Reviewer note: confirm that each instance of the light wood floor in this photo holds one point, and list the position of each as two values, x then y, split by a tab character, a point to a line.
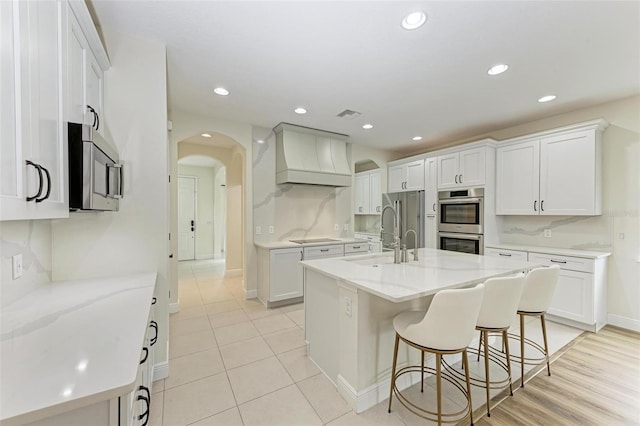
594	381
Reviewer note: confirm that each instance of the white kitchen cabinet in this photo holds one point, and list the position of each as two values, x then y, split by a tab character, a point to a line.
580	294
466	168
85	84
368	195
280	275
431	232
406	176
431	186
506	254
554	173
352	249
33	148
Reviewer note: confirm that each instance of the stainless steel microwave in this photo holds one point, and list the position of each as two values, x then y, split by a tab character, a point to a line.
95	173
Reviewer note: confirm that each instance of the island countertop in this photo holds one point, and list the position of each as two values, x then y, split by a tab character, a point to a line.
434	271
72	343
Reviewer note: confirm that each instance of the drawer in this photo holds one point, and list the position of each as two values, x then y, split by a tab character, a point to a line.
506	254
314	252
362	247
565	262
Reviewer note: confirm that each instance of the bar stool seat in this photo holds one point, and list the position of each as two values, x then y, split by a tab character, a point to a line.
446	328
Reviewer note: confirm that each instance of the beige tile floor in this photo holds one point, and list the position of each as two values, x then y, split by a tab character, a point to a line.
234	362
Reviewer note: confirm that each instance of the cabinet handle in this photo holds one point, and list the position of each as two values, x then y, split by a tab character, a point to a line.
39	169
154	339
535	203
434	207
504	254
146	355
301	255
45	196
323	250
153	301
456	178
460	179
147	400
558	261
96	118
542	205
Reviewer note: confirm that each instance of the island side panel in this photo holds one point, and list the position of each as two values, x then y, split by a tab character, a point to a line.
321	305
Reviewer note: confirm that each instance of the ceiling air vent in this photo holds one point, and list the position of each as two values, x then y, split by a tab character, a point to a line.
349	114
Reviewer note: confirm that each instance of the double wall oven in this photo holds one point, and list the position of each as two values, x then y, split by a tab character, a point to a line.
461	220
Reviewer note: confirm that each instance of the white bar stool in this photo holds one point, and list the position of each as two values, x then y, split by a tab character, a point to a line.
499	305
446	328
535	300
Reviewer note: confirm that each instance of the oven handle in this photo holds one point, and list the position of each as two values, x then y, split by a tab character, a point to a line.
460	236
461	201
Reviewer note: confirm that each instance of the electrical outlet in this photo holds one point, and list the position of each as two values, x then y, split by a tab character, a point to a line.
258	230
347	306
547	233
17	266
271	229
336	227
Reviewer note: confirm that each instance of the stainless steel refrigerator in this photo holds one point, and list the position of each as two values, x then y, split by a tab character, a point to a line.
411	216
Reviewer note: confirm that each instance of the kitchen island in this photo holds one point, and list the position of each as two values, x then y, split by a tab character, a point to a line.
350	304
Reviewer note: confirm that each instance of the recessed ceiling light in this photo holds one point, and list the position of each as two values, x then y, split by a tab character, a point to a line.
260	141
414	20
221	91
300	110
498	69
417	138
205	135
547	98
367	126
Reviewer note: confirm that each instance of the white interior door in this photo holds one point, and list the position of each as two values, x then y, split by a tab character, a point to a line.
186	218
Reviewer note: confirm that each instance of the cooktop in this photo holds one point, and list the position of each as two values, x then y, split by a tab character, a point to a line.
314	240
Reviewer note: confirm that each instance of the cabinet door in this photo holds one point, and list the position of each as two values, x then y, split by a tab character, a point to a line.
472	167
75	107
517	179
573	297
375	193
11	189
431	232
94	88
362	194
415	176
395	178
568	175
286	277
448	171
431	186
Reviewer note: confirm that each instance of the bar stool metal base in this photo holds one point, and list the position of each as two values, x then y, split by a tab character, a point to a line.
544	350
438	415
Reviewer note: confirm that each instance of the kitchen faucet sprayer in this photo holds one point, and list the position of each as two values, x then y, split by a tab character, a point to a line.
396	231
415	243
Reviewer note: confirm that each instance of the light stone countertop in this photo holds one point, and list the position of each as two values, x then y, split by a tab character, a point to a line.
435	270
287	244
70	344
551	250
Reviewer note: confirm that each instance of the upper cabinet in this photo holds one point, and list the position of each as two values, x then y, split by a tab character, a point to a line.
464	168
368	192
406	176
33	148
431	186
36	91
551	173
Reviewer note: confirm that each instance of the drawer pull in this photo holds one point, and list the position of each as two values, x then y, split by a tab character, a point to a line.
324	249
558	261
505	254
356	247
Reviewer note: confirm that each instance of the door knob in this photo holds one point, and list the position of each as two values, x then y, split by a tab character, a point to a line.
193	229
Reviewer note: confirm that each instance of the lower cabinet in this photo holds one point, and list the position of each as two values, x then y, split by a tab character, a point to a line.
506	254
280	276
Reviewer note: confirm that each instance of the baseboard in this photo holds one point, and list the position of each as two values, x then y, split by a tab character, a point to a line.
205	256
624	322
233	272
160	370
174	307
374	394
250	294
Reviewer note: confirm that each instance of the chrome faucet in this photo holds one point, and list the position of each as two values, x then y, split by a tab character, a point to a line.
396	232
415	243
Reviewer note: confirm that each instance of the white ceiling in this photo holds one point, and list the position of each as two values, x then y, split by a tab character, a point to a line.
332	55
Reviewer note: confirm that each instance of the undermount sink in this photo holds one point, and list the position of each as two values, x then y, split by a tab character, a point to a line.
373	261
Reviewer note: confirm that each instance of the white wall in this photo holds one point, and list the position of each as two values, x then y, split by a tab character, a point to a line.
134	239
206	206
31	238
220	212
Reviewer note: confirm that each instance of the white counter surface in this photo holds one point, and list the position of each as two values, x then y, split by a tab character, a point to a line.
435	270
288	244
70	344
551	250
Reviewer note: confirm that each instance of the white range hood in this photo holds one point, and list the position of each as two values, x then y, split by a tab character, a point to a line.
311	156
